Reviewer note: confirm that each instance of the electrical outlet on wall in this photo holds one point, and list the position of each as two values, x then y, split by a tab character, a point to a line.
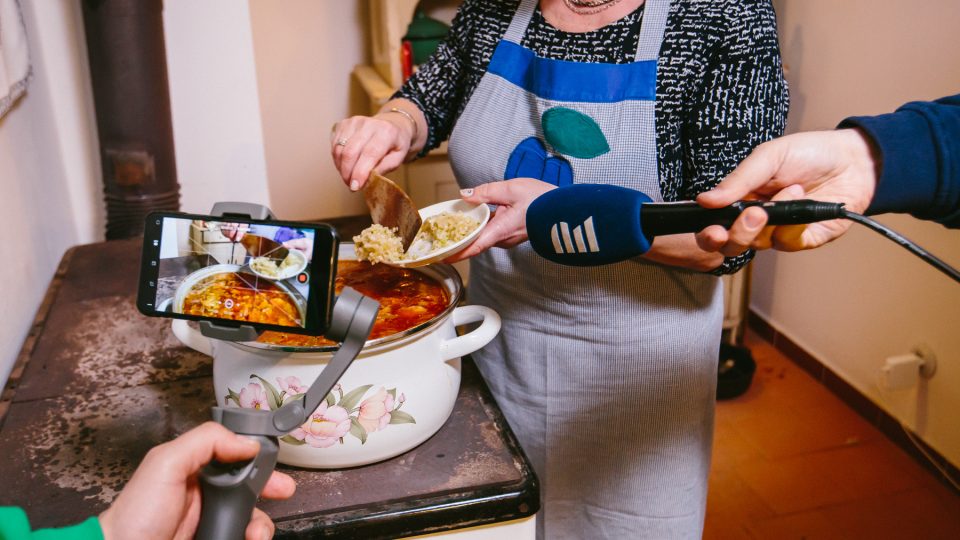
905	370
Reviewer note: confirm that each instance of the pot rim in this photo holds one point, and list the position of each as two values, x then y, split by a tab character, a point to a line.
439	271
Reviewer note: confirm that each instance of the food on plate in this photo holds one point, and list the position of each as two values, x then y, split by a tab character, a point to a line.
407	299
382	244
447	228
229	295
377	243
274	268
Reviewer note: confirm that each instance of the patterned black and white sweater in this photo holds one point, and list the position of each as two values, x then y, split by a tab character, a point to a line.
720	85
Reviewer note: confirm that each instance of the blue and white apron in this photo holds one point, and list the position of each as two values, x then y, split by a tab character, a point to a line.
606	374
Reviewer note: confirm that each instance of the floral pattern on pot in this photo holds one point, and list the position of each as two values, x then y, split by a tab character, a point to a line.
340	414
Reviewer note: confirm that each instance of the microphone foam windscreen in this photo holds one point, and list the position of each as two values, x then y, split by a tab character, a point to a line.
587	224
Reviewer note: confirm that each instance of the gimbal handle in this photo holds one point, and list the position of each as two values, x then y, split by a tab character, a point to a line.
230	490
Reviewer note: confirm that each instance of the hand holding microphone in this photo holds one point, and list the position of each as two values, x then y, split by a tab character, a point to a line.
594	224
838	166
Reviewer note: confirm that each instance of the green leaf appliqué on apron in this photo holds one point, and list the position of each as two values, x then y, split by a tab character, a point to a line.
573	133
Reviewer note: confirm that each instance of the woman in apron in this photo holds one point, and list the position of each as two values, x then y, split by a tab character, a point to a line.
606	374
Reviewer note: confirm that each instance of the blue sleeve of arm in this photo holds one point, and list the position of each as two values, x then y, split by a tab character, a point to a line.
920	149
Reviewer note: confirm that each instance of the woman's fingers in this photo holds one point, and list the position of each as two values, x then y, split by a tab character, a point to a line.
379	138
508	226
361	144
340	139
350	155
490	193
485	240
505	229
712	238
391	161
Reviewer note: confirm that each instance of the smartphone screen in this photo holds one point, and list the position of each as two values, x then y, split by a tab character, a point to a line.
273	275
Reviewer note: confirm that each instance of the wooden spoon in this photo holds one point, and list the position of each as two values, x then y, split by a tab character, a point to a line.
391	207
259	246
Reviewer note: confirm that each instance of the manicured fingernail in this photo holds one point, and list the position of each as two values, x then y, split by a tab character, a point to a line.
466	192
354	185
752	220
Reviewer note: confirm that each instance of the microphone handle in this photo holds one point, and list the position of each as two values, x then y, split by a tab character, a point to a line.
688	217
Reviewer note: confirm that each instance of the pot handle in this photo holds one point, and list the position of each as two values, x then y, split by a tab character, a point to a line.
474	340
191	337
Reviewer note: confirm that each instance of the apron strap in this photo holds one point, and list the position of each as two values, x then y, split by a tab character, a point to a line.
651	30
521	20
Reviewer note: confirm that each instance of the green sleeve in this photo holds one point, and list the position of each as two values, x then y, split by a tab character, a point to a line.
15	526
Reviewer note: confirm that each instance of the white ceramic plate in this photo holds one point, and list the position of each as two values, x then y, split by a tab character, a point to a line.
479	212
290	271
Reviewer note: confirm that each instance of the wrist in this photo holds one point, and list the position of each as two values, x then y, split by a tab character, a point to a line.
403	120
867	160
106	527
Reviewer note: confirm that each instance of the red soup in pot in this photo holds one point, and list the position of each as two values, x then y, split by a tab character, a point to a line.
229	295
407	299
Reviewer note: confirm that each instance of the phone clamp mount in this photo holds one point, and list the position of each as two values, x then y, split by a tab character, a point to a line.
230	490
243	332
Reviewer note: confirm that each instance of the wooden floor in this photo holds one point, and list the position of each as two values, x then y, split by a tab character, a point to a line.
791	461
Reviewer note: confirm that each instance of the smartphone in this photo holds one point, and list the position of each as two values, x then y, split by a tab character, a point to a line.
272	275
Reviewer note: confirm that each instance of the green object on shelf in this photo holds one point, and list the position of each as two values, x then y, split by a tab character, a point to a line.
424	35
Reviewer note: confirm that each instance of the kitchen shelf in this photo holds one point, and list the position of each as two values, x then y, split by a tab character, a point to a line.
388	24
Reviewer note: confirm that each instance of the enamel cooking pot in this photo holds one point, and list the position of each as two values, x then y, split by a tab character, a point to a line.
396	394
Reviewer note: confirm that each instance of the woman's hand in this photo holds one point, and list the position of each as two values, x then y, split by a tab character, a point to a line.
682	250
234	231
301	244
162	499
361	144
508	225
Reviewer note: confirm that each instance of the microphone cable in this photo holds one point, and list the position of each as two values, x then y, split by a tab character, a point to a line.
903	242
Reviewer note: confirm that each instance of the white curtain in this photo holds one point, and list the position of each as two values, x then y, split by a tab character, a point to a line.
14	59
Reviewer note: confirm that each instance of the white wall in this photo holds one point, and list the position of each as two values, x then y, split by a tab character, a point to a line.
49	172
255	87
49	165
217	134
305	51
862	299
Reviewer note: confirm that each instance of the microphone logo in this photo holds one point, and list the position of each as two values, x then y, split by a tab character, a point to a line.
582	239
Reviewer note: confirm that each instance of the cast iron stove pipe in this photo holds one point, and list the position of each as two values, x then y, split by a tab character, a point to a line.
128	68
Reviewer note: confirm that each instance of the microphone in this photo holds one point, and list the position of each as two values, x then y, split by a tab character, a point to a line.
595	224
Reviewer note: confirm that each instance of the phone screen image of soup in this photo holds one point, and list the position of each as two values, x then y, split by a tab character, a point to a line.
205	270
